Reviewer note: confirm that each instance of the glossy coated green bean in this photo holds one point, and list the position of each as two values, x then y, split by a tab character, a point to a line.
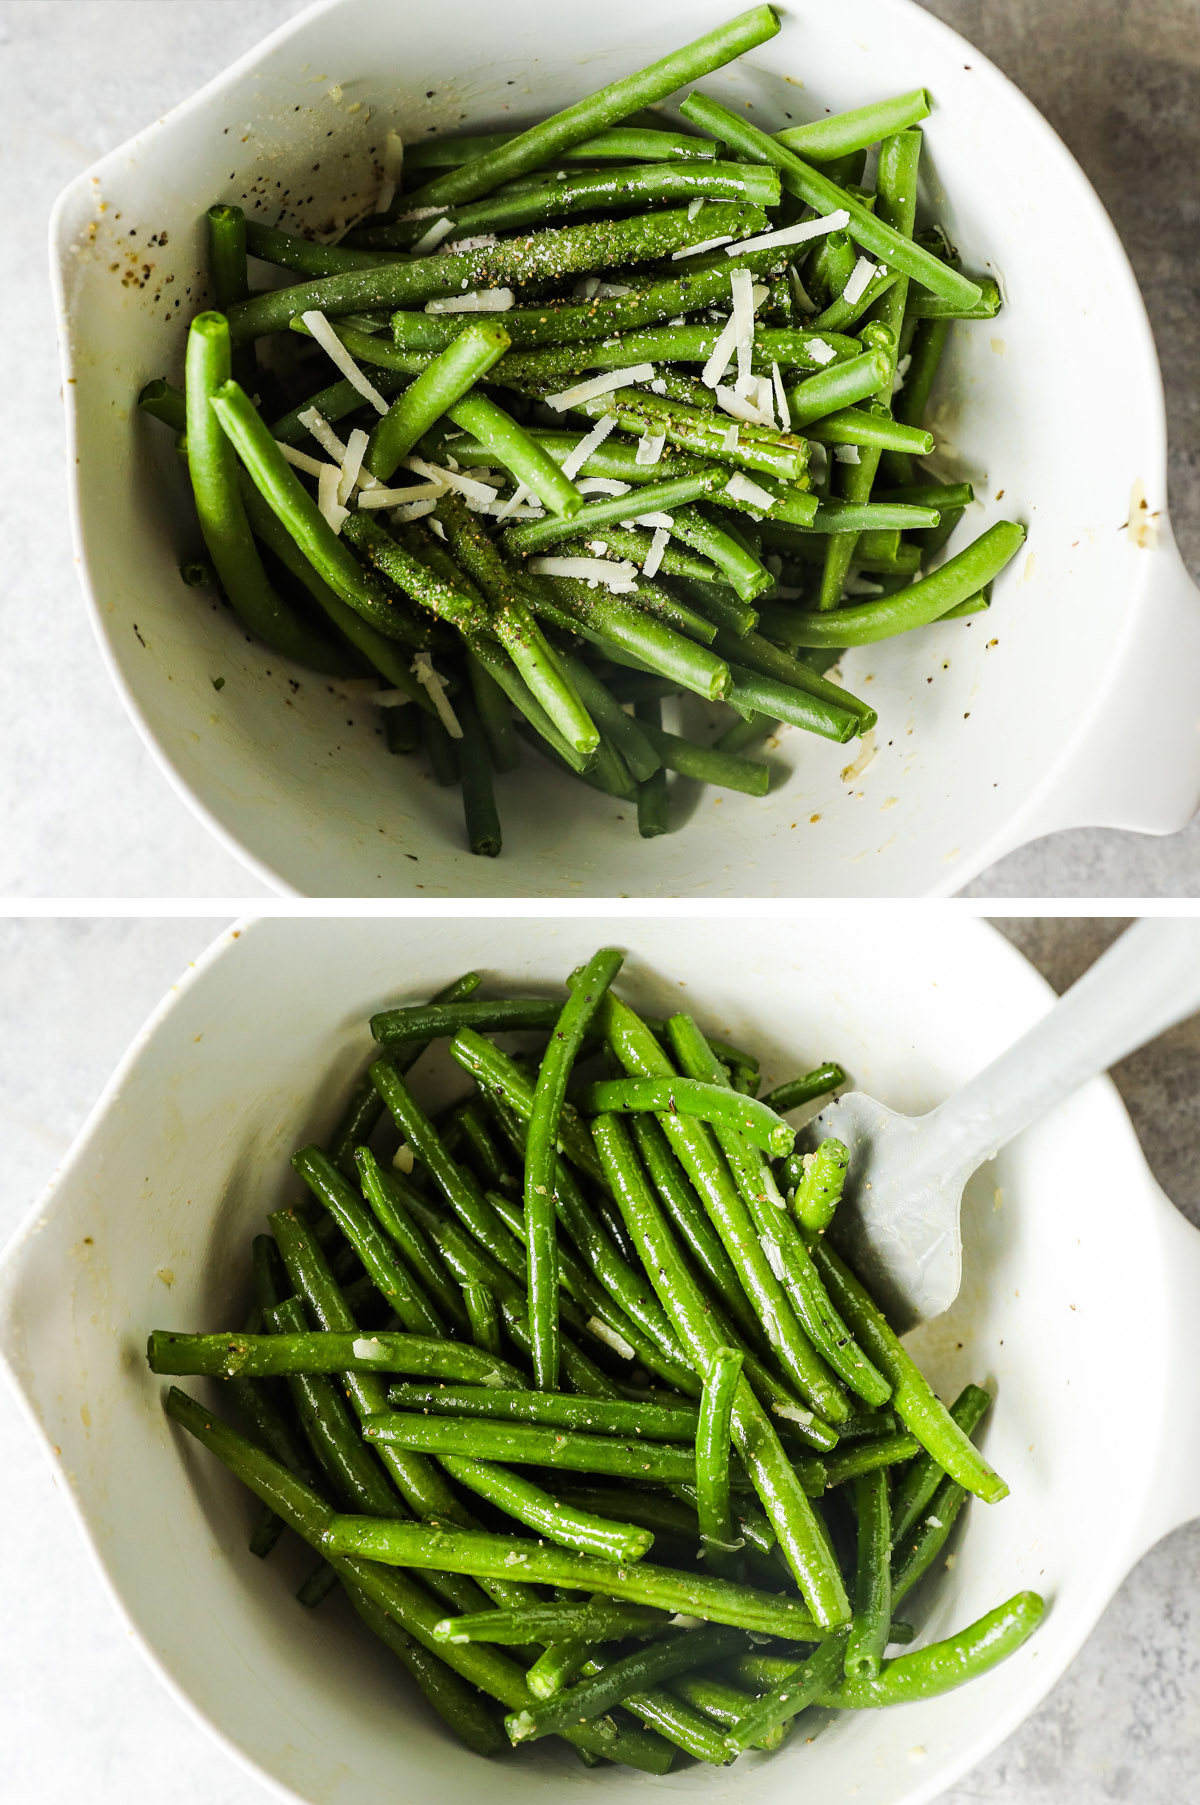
527	1503
459	1706
938	307
672	1420
480	815
873	1577
818	1179
484	1316
897	252
803	1684
395	1592
639	412
922	602
824	139
634	1672
495	716
446	380
319	1351
529	1444
925	1541
597	1620
912	1397
707	1102
713	1445
800	1533
605	108
389	1277
609	618
921	1479
518	451
855	426
432	1021
557	252
941	1666
387	1201
531	535
611	144
796	1092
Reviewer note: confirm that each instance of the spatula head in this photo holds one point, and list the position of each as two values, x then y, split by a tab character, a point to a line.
898	1221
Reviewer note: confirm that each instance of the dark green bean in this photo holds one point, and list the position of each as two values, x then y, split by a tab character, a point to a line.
611	144
318	1351
528	1444
803	1684
519	1498
669	1421
873	1577
459	1706
713	1455
631	1673
798	1091
653	795
389	1277
386	1199
597	1620
446	380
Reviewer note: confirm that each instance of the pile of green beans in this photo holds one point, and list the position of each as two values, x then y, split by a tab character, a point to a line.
566	1367
618	396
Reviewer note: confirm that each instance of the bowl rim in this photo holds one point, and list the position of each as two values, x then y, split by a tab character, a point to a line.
1000	952
1016	829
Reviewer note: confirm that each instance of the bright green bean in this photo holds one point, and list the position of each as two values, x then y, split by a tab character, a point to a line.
825	139
527	1503
713	1453
446	380
632	1673
798	1091
873	1577
924	1475
692	1097
597	1620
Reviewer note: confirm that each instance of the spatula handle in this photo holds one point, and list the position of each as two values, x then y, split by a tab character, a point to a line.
1147	981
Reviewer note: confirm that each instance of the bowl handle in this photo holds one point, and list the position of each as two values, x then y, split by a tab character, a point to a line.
1174	1494
1136	761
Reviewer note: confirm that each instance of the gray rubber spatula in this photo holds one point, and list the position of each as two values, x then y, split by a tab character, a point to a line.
898	1222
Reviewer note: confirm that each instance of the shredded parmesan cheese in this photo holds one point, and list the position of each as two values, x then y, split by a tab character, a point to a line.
730	441
412	510
430	240
483	300
356	447
610	1338
800	294
902	369
612	291
620	577
721	355
694	207
393	167
740	408
819	352
396	498
600	385
781	400
402	1159
435	688
847	454
774	1258
323	433
860	277
742	288
798	234
450	479
300	460
327	501
764	397
483	241
580	452
602	485
334	349
650	447
742	489
658	546
516	500
706	244
367	1347
792	1413
392	698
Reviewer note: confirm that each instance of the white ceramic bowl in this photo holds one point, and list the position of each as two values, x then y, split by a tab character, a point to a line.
254	1051
1072	702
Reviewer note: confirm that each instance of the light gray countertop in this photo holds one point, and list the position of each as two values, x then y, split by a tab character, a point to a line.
85	809
85	1719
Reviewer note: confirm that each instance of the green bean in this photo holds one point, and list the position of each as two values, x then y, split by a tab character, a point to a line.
530	535
529	1444
610	618
897	252
456	603
846	516
519	1498
597	1620
317	1587
482	820
446	380
518	450
711	1103
921	602
755	694
631	1673
394	1592
799	1531
818	1179
282	489
922	1478
472	1551
941	307
615	144
260	1356
829	268
459	1706
287	250
390	1278
729	553
386	1199
333	404
934	495
165	402
212	466
227	234
941	1666
712	1454
484	1317
910	404
634	543
803	1684
637	411
540	1159
515	626
660	1710
798	1091
778	1235
607	107
873	1577
825	139
753	653
855	426
725	1704
708	765
704	1164
912	1397
673	1421
557	252
924	1543
495	716
653	796
839	385
433	1021
602	189
606	711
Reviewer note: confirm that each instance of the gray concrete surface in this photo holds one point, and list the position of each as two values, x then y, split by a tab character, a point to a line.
84	1718
84	808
